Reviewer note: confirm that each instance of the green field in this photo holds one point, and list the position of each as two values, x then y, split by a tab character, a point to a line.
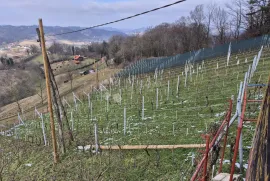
180	118
38	59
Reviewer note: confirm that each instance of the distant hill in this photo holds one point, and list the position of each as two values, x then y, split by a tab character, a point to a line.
127	31
9	34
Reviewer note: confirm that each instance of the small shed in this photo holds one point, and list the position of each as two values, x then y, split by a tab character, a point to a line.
78	58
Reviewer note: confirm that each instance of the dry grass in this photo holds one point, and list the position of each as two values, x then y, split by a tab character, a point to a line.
29	42
38	59
72	42
14	53
65	66
80	84
49	41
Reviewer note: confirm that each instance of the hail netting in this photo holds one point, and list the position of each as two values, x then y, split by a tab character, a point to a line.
154	64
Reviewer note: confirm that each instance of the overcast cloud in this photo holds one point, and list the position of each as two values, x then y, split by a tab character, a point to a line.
91	12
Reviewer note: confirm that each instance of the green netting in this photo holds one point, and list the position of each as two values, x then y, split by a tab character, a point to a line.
151	64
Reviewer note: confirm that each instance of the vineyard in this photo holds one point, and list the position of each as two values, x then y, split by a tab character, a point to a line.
147	122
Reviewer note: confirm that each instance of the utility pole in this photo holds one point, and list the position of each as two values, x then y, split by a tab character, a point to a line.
47	76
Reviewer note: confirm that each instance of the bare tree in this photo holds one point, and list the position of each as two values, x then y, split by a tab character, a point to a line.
200	31
41	87
34	49
220	21
28	52
56	48
16	84
236	10
20	90
115	47
209	18
70	78
258	17
184	35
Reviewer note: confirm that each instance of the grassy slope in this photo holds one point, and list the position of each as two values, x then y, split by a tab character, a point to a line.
188	110
38	60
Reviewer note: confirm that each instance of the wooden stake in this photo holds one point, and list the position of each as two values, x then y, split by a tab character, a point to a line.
43	130
142	107
173	130
193	159
178	81
96	138
107	103
97	81
168	91
157	99
72	121
125	120
46	69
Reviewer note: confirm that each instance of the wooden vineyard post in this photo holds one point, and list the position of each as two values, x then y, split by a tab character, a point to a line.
107	98
120	97
168	91
72	121
178	81
46	69
142	107
96	138
157	99
125	120
97	80
43	129
141	87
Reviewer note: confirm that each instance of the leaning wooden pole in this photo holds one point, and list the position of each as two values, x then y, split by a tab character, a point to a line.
47	76
146	147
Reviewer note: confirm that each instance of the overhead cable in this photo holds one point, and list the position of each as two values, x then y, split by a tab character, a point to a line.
146	12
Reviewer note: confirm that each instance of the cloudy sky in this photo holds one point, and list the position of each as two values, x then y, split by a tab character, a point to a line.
91	12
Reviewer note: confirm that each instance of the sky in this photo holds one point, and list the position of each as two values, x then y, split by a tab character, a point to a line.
87	13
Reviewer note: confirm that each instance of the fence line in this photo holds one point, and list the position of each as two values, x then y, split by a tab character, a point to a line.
153	64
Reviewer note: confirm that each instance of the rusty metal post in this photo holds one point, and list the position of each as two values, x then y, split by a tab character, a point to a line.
48	87
213	141
239	130
207	137
194	176
225	138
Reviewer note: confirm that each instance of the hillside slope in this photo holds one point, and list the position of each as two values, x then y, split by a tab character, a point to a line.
176	118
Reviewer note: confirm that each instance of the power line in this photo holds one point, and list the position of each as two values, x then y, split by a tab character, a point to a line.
146	12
